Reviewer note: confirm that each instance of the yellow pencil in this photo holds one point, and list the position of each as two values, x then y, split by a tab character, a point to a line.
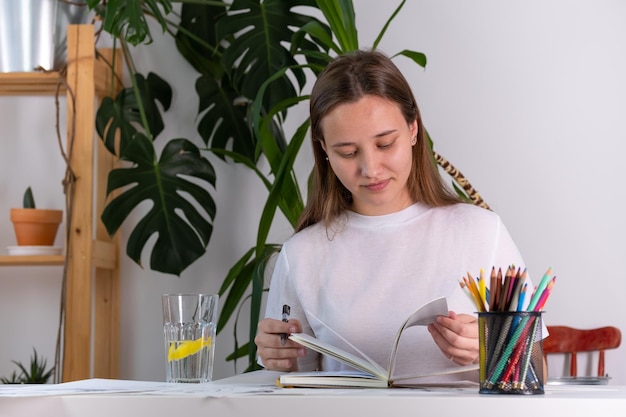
475	292
482	287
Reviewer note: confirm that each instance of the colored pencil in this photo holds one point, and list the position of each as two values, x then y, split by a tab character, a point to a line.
539	289
508	349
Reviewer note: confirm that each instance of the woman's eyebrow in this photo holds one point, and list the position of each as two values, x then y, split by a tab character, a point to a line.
378	135
342	144
385	133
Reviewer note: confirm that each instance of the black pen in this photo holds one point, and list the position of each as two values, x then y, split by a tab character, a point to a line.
286	311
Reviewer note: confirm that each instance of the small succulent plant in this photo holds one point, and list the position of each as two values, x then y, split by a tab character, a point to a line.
29	200
37	374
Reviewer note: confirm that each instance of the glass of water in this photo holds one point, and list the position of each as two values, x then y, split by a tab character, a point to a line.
189	325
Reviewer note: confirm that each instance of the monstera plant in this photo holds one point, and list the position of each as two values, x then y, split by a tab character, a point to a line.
252	59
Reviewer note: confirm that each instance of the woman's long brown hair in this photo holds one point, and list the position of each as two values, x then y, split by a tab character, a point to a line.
347	79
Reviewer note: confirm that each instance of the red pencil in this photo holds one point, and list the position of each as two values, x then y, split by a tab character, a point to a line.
545	294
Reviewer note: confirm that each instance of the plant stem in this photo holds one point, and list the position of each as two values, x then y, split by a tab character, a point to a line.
133	71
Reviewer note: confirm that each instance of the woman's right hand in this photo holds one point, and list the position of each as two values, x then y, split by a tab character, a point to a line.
277	352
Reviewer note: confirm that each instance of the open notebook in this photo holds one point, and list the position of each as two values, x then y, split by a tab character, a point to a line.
367	372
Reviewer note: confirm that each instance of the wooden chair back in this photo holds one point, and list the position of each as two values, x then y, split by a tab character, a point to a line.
564	339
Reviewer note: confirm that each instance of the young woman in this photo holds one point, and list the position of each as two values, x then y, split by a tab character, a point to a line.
381	233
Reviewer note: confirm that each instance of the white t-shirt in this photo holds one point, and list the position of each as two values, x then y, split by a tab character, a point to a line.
366	274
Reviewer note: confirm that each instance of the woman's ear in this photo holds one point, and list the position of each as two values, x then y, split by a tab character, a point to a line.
414	128
322	145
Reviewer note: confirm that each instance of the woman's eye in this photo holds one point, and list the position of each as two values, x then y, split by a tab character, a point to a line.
347	154
385	145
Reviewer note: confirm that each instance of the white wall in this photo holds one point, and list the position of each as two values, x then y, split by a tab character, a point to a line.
525	98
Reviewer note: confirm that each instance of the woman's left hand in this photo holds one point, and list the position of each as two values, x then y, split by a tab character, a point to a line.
457	337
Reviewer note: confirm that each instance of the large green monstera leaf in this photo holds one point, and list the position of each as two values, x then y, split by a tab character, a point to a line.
171	185
222	123
181	210
120	118
127	18
258	51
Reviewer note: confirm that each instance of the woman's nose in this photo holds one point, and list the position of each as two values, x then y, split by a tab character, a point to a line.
370	165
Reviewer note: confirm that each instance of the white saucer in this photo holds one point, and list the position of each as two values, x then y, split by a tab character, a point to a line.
34	250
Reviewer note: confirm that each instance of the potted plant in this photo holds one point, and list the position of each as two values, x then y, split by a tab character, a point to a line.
252	58
36	373
34	226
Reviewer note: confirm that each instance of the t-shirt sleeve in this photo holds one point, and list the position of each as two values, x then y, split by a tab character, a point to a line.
282	291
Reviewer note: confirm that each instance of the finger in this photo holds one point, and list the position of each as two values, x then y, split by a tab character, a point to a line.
468	327
459	349
454	354
439	340
465	339
466	318
463	318
284	365
270	353
274	354
274	341
280	358
279	326
463	325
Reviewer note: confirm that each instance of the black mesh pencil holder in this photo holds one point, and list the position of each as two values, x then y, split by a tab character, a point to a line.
511	352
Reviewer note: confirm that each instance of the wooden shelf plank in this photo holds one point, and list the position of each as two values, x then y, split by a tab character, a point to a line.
105	257
46	83
29	83
31	260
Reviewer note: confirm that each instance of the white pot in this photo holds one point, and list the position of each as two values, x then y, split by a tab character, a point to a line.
33	33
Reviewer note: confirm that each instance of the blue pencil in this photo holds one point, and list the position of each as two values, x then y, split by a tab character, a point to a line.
522	295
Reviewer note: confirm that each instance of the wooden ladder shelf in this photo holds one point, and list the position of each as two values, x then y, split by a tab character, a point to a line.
92	292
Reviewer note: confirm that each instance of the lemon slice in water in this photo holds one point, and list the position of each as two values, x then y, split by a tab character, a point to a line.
186	348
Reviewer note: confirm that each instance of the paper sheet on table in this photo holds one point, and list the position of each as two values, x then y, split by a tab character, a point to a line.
253	383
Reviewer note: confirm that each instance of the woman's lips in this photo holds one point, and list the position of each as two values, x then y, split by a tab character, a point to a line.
377	186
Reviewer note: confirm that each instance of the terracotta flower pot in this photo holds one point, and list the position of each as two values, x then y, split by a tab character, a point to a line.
36	227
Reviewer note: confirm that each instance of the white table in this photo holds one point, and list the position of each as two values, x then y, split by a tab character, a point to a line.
256	395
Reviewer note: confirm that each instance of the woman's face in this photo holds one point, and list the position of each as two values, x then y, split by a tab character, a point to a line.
368	144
